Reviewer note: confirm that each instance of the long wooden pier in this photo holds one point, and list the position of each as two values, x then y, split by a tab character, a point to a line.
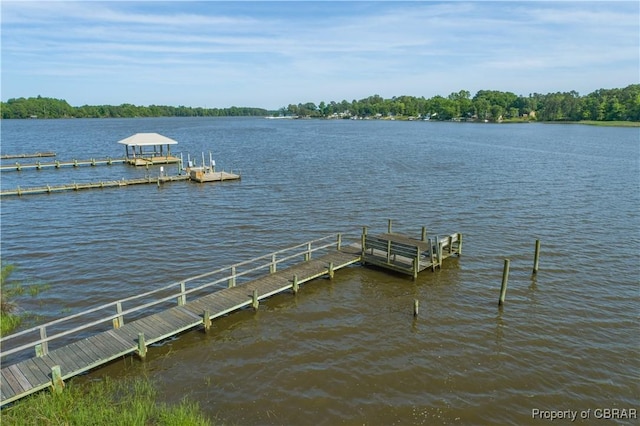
118	330
30	155
213	177
59	164
45	356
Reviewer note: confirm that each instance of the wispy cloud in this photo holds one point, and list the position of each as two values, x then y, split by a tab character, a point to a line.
273	53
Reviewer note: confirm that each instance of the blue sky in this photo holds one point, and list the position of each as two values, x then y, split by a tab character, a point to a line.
270	54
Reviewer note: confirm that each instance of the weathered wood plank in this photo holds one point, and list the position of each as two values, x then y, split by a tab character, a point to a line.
20	377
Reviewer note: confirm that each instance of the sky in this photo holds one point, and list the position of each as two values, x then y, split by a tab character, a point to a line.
266	54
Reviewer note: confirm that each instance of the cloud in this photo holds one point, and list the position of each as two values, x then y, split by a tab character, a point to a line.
274	53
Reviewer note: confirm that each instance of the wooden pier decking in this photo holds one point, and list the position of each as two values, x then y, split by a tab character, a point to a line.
70	359
59	164
30	155
213	177
43	357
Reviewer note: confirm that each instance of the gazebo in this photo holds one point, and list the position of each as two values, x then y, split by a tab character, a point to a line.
144	149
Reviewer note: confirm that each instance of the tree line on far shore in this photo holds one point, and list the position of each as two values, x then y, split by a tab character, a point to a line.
486	105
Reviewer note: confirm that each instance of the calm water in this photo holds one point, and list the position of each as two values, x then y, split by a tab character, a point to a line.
349	351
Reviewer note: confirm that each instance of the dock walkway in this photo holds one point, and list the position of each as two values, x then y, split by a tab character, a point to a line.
59	164
47	189
70	359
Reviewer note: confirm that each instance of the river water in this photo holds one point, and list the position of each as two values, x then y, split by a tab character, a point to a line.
349	351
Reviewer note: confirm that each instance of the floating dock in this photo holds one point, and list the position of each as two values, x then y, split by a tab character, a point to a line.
45	356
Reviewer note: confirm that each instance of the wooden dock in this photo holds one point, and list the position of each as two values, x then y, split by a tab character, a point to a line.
45	356
215	177
59	164
407	255
47	366
91	185
32	155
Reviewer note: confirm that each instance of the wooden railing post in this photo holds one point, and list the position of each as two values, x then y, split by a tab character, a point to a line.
119	321
274	266
424	234
363	240
182	299
331	271
232	280
339	243
388	251
431	255
307	255
389	221
459	244
42	348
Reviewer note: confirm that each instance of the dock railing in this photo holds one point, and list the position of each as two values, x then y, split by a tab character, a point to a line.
59	332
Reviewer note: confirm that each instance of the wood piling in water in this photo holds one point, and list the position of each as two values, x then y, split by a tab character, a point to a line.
505	279
536	257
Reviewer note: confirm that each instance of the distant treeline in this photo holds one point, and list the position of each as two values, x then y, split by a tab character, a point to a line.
58	108
601	105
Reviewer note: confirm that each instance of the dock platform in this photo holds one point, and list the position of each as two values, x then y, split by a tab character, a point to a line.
401	253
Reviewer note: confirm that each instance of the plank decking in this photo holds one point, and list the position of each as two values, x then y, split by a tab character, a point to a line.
35	374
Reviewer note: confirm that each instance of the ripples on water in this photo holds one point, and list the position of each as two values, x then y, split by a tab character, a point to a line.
348	351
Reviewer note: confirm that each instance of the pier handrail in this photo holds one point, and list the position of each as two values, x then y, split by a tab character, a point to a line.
117	317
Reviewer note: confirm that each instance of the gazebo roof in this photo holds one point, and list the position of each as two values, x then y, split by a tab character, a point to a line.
147	139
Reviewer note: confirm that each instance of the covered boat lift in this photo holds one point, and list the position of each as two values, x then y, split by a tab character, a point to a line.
143	149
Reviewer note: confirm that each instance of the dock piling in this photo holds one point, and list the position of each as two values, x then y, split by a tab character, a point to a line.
255	302
142	347
295	286
206	320
57	384
505	279
536	257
